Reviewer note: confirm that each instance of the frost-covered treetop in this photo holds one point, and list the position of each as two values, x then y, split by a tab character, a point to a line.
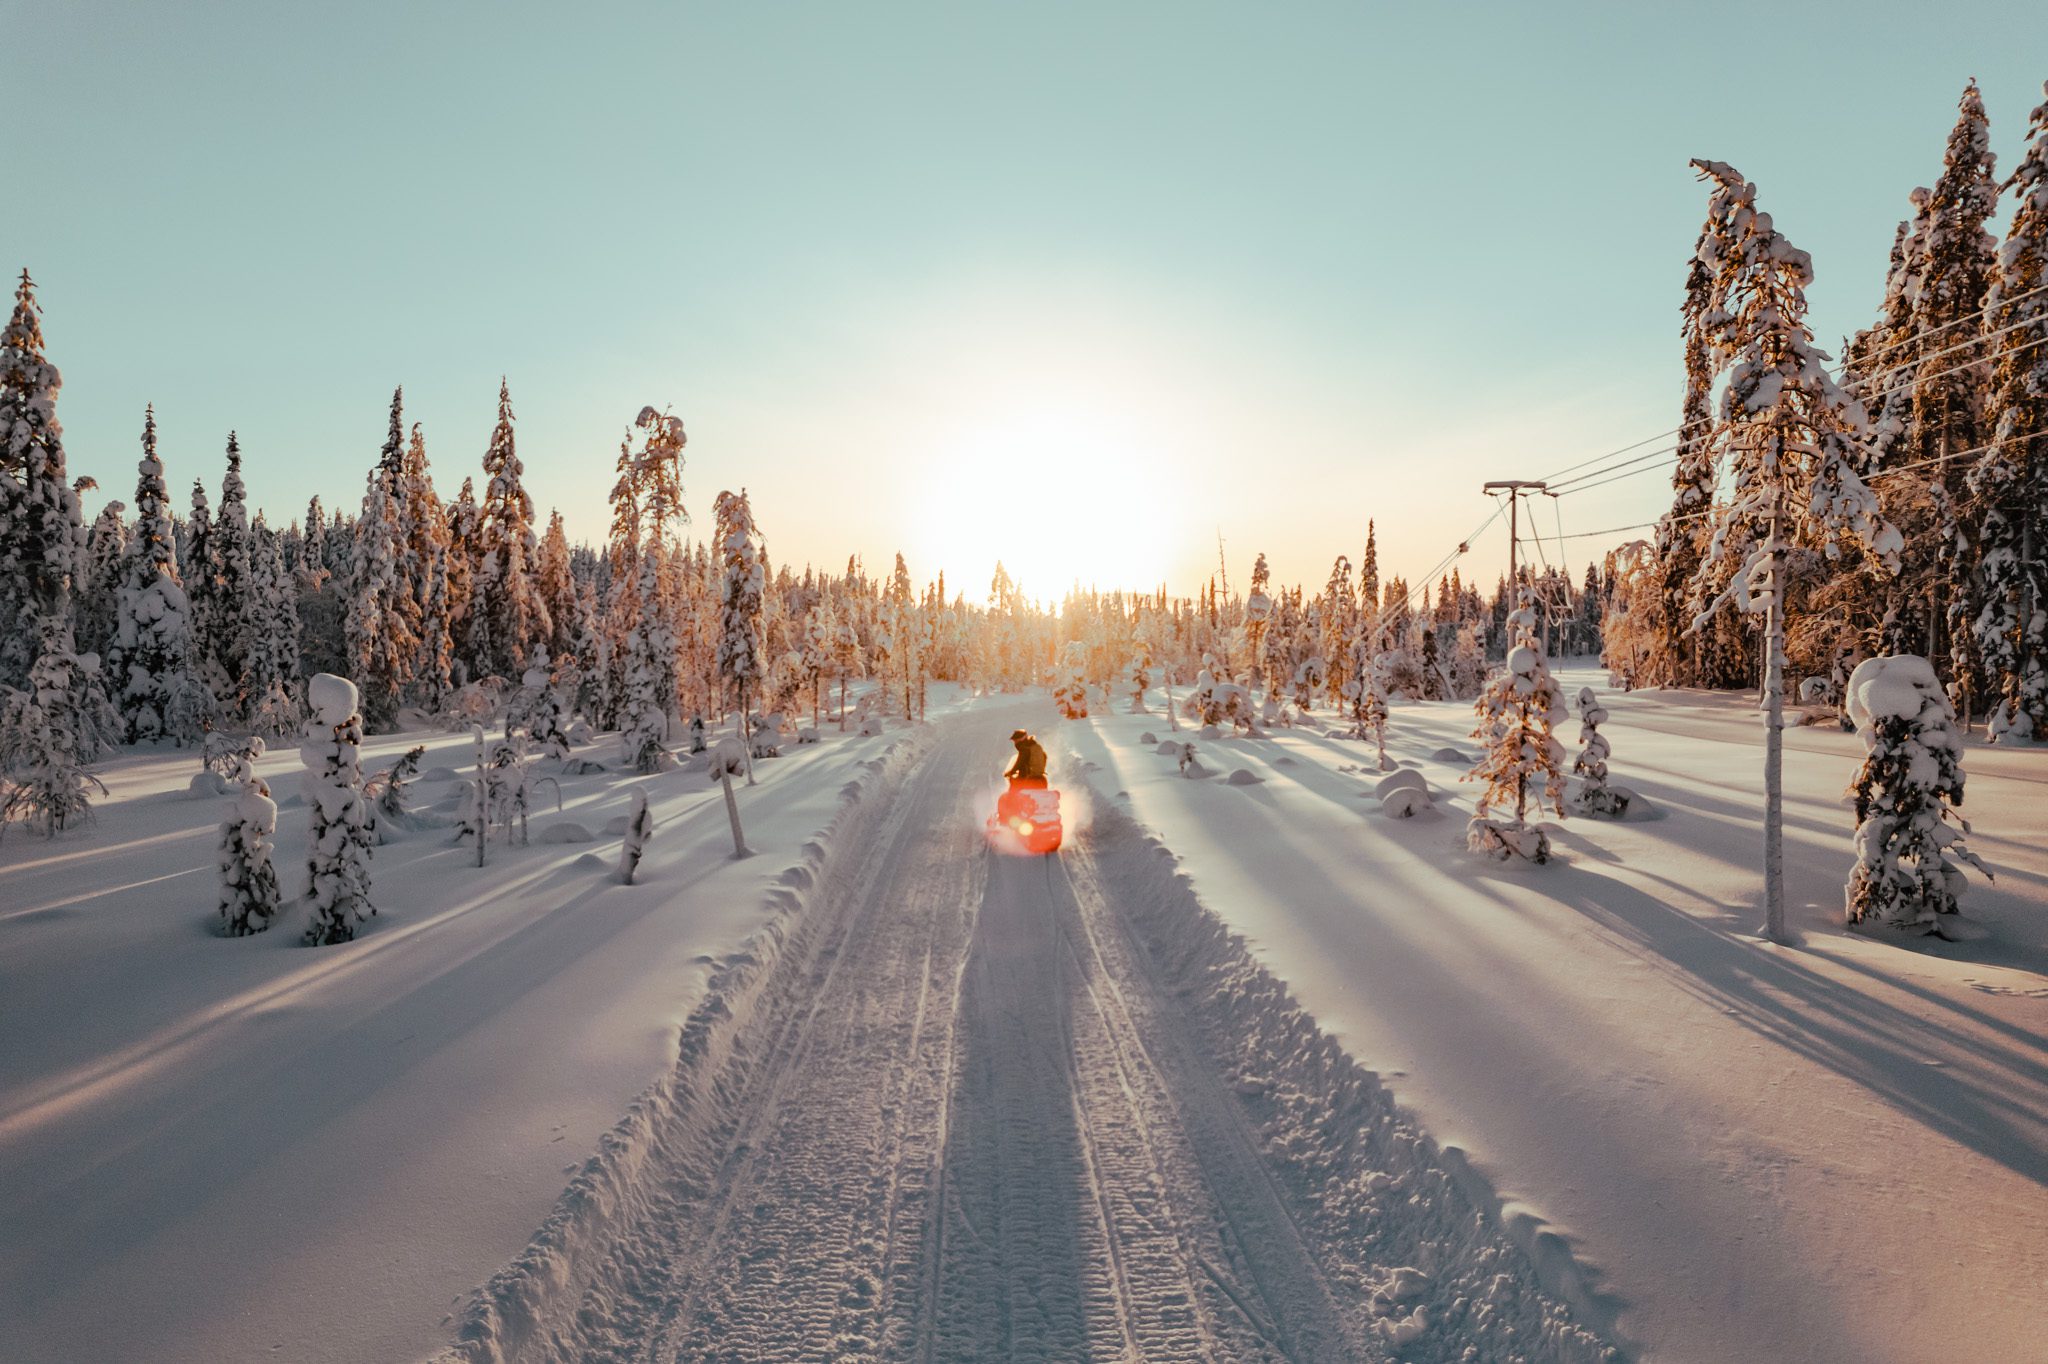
1897	687
332	699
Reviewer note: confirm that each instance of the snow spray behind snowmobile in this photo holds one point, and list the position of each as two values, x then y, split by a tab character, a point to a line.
1027	818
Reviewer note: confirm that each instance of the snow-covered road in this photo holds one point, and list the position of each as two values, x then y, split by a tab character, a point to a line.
978	1107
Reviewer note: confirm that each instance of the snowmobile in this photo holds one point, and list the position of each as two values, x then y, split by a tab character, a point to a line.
1027	816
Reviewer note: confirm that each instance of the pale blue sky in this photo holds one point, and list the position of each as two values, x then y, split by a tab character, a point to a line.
1273	268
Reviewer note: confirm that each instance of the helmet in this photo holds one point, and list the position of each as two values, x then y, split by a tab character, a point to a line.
1019	734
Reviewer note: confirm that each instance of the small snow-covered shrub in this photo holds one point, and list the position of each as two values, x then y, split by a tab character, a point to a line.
1070	692
538	709
248	879
1596	797
387	790
1906	870
225	755
1518	709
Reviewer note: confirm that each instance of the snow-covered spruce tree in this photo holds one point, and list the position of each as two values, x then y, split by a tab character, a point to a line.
1906	869
1369	586
1138	677
1258	616
818	653
460	559
1518	710
1596	797
643	720
739	638
1372	707
1070	693
555	581
904	626
239	615
1791	442
338	853
43	783
377	608
423	572
42	554
1947	415
271	674
539	710
639	829
99	594
507	616
199	570
248	878
42	538
2011	480
150	659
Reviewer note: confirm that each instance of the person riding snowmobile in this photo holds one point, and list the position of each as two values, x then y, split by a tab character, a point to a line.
1028	767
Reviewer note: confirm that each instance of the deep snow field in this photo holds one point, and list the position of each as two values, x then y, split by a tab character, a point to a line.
1712	1148
232	1149
1831	1152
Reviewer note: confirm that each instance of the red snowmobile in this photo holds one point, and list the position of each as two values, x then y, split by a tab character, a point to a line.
1027	817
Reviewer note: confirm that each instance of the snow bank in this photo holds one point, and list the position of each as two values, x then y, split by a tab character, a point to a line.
1373	1194
510	1311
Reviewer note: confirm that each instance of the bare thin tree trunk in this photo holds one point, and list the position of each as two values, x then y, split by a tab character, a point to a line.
1774	748
732	813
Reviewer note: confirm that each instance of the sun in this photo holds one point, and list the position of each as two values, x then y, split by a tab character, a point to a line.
1057	499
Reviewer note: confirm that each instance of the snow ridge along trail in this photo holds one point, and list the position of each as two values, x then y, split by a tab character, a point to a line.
974	1107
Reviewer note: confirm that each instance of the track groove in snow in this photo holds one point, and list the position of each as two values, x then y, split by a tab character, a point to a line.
967	1109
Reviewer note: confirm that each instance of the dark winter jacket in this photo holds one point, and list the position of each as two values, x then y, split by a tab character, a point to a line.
1029	762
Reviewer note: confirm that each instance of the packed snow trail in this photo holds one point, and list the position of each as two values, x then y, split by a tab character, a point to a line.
963	1113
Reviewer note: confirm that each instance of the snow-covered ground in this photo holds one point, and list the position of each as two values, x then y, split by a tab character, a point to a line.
984	1106
1725	1149
232	1149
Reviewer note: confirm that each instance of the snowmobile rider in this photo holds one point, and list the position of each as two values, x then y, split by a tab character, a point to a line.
1028	767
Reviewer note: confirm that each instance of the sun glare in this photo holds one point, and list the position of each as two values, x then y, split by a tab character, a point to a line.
1056	499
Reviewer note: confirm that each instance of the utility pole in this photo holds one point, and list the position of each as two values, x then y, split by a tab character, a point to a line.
1514	487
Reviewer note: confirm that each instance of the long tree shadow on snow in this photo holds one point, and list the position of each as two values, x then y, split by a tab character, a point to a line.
1989	1097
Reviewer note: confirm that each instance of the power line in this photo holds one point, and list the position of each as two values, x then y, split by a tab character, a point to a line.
1616	476
1873	478
1859	381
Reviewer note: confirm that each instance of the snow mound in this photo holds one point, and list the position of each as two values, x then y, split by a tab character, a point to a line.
206	785
580	767
1284	761
591	862
331	699
1405	802
1210	732
564	831
1148	737
1406	779
1168	749
440	774
580	732
1450	755
1243	777
615	827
